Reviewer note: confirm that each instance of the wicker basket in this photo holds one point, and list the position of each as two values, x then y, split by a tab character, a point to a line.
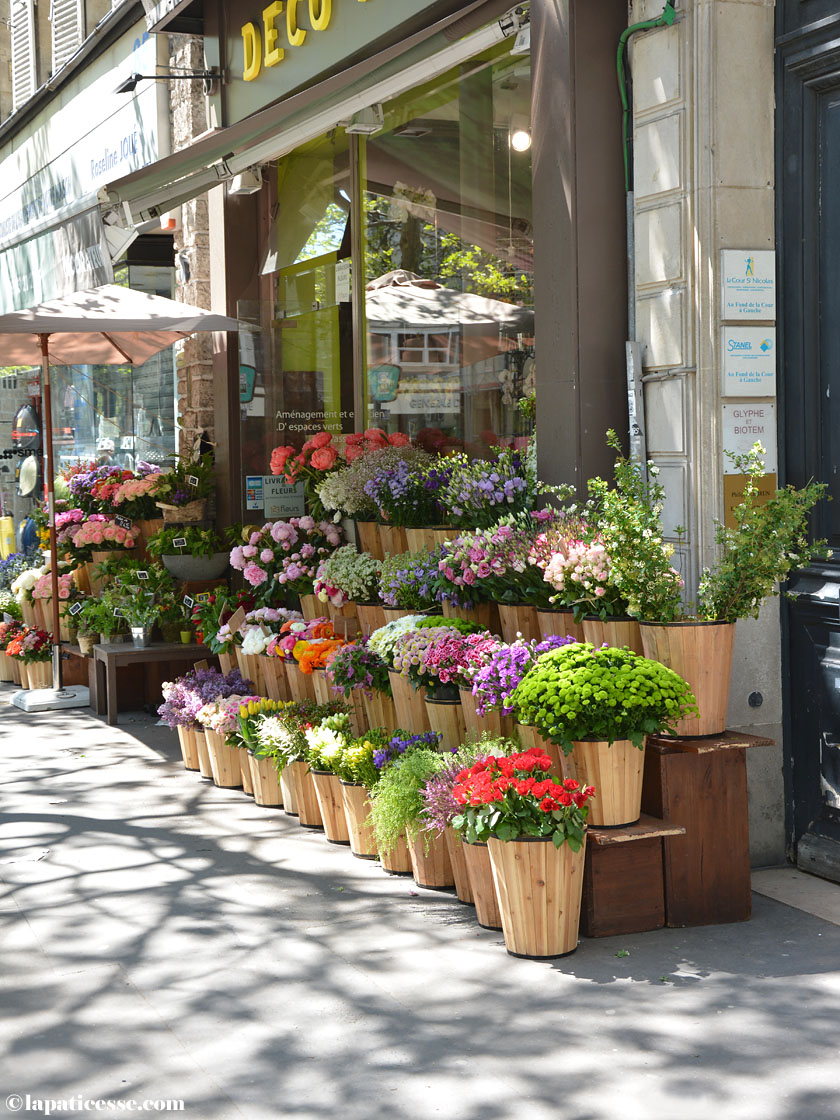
188	514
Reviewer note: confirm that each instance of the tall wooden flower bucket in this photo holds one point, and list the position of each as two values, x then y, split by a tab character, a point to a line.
371	617
562	766
539	890
409	703
312	607
287	785
6	673
432	869
16	667
616	632
264	782
427	540
381	711
700	653
146	528
368	534
227	662
345	620
561	624
477	859
189	751
81	578
616	773
398	860
27	612
43	614
224	761
204	764
485	615
250	666
455	848
492	721
446	717
520	618
309	812
331	804
358	713
323	692
245	771
356	810
301	685
39	674
274	677
393	538
66	622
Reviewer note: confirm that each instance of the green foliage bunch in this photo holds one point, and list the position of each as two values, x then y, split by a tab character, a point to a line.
200	542
356	761
396	800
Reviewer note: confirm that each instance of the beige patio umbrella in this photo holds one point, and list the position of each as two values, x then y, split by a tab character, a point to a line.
101	326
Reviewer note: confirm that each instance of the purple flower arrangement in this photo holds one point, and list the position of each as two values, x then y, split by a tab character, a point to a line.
408	581
494	683
401	742
358	667
478	492
186	696
406	495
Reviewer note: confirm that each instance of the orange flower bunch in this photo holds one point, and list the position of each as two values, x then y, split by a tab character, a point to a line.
316	654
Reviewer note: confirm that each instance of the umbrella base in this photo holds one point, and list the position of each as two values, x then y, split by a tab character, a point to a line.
48	700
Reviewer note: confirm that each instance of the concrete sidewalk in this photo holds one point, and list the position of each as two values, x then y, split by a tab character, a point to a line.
164	939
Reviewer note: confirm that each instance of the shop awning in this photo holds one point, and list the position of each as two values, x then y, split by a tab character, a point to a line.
273	132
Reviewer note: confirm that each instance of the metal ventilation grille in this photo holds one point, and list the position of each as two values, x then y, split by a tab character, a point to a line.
68	30
24	71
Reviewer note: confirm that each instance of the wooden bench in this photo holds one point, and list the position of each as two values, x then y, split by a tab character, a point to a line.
108	658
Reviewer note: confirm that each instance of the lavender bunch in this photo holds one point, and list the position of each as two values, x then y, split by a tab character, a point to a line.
186	696
407	581
406	495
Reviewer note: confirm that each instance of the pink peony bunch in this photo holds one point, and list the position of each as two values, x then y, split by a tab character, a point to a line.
285	552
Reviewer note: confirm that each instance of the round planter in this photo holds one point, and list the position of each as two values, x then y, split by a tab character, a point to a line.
6	673
446	717
323	691
428	539
616	773
251	668
86	643
289	790
393	540
141	636
245	771
273	671
264	782
186	637
311	607
371	617
185	567
224	761
398	860
301	685
432	869
455	848
227	662
368	534
356	810
616	632
187	514
539	891
560	623
381	711
485	615
189	750
331	804
477	859
309	812
519	618
493	722
204	764
409	704
39	674
700	653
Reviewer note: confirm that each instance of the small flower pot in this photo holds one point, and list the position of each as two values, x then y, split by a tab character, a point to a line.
331	804
455	848
186	637
477	859
519	618
141	636
87	642
398	860
433	868
356	809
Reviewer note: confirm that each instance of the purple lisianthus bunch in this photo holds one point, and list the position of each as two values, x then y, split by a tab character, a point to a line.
357	667
479	492
186	696
406	495
400	742
407	581
494	683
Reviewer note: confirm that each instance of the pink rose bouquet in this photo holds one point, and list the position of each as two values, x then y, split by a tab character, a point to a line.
285	555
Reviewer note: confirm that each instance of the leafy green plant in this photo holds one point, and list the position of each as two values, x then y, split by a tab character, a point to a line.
579	692
97	615
199	542
396	800
356	763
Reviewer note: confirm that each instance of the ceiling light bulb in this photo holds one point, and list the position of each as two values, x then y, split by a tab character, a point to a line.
520	140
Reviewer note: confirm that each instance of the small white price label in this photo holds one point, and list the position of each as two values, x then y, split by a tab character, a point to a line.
188	601
180	542
142	575
76	607
192	480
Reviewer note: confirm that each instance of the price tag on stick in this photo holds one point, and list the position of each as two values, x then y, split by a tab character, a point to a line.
142	575
179	542
75	608
124	522
189	602
118	613
192	480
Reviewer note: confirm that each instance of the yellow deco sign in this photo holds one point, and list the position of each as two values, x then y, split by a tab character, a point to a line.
320	14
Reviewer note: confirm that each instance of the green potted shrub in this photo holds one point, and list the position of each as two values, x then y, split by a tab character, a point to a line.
97	617
189	552
598	705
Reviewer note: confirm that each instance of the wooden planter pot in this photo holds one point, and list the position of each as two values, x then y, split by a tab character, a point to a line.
245	771
274	676
700	653
7	675
393	539
539	889
96	582
204	764
492	721
265	783
455	848
289	791
301	685
398	860
428	539
410	704
251	668
224	761
485	615
560	623
616	773
371	617
189	751
520	618
432	870
39	674
368	534
27	613
477	859
356	809
323	691
380	711
616	632
309	812
562	766
446	717
331	804
227	662
17	671
312	607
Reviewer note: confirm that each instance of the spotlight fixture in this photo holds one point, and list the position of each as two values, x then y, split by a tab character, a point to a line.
520	140
209	77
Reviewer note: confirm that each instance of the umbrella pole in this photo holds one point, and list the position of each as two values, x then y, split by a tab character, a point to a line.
50	480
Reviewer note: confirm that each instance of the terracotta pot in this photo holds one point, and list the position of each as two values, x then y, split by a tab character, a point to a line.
393	539
539	890
331	804
264	782
274	677
432	869
289	790
519	618
477	859
381	711
493	722
700	653
301	685
446	717
409	703
39	674
204	764
189	750
371	617
323	691
245	771
616	773
530	737
428	539
485	615
560	623
369	541
227	662
312	607
224	761
251	668
455	848
356	809
613	632
398	860
309	812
